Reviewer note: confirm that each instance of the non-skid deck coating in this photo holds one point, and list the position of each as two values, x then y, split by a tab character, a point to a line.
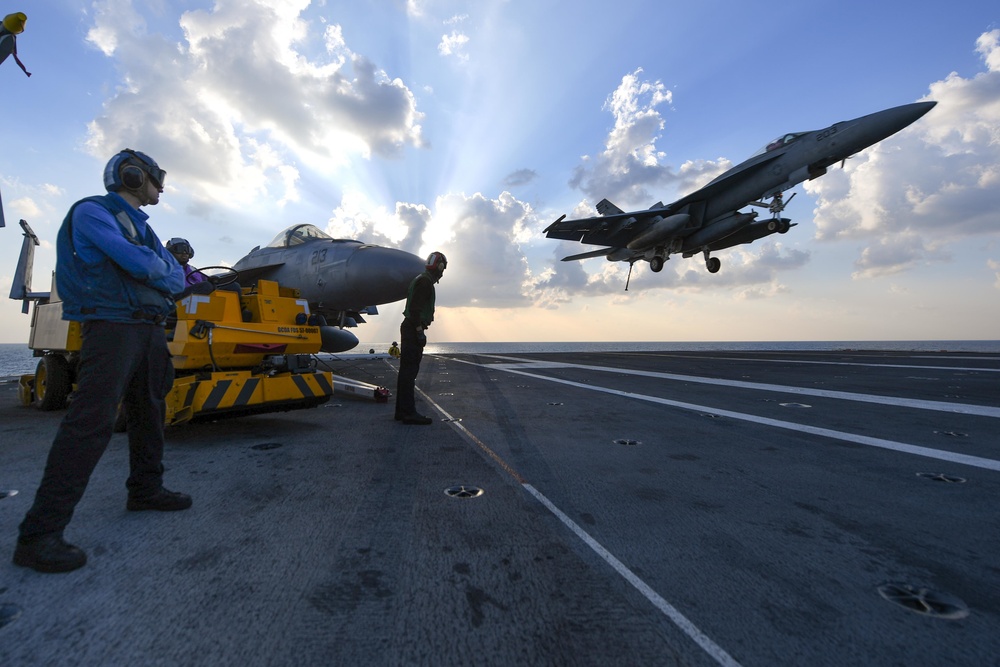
637	509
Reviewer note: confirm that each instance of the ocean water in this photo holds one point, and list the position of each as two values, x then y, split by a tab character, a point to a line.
16	359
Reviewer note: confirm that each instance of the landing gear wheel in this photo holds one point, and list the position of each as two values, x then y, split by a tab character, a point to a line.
52	382
783	226
656	264
713	264
228	275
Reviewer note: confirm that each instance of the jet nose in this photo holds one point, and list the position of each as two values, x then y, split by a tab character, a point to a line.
377	275
910	113
886	123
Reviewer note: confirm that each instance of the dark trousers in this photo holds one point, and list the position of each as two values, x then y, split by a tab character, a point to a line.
411	352
119	363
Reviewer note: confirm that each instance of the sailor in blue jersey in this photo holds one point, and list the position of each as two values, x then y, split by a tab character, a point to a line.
116	278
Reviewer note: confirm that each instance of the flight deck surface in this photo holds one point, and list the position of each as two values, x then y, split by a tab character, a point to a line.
695	508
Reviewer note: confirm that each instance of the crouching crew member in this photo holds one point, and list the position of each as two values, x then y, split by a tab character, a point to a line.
116	278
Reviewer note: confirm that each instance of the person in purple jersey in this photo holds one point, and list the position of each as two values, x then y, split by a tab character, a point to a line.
183	252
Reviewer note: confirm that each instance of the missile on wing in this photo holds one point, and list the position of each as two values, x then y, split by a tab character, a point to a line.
659	231
717	231
754	231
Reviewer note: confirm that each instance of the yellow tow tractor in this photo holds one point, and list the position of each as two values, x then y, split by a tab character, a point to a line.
234	353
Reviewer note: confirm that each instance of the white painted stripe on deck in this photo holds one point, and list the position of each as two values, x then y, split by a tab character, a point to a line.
680	620
940	406
975	369
951	457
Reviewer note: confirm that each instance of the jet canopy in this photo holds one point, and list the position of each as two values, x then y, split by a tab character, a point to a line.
780	142
297	235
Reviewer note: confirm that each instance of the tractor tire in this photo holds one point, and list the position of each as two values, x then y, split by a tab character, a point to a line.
52	382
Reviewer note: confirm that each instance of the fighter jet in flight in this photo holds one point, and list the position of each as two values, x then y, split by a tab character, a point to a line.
340	279
710	219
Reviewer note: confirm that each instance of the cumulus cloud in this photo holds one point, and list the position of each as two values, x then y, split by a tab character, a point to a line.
631	166
35	204
626	171
25	207
251	87
481	236
358	218
936	181
487	266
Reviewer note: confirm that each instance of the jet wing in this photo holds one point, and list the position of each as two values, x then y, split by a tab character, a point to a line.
618	228
731	178
614	229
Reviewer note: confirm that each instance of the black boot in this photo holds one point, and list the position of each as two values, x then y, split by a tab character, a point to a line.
162	501
48	553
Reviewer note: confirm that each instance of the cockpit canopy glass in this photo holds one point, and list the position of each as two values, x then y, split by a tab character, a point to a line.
297	235
780	142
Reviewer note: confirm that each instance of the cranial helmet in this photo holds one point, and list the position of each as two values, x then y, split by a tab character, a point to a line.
15	22
129	170
178	246
436	263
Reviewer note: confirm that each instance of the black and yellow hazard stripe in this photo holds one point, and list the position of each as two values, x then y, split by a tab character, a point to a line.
245	393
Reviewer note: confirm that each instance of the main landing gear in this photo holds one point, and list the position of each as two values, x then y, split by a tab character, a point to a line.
780	225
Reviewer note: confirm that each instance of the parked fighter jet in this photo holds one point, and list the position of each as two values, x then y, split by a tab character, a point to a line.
709	219
340	279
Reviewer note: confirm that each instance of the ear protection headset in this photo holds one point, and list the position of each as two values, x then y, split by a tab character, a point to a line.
436	262
129	169
133	177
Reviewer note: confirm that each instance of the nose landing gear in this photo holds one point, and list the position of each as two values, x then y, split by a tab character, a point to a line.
712	263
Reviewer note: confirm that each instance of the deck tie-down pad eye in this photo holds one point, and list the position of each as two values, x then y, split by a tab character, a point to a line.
924	601
463	491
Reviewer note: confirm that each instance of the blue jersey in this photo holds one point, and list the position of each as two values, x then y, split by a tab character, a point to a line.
110	265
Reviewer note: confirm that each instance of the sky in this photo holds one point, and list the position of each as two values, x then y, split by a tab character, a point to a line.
468	127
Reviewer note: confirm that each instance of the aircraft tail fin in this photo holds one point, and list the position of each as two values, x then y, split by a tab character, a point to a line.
604	207
20	286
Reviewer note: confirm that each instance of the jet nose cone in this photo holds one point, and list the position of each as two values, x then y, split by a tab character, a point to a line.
893	120
917	109
377	275
867	130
